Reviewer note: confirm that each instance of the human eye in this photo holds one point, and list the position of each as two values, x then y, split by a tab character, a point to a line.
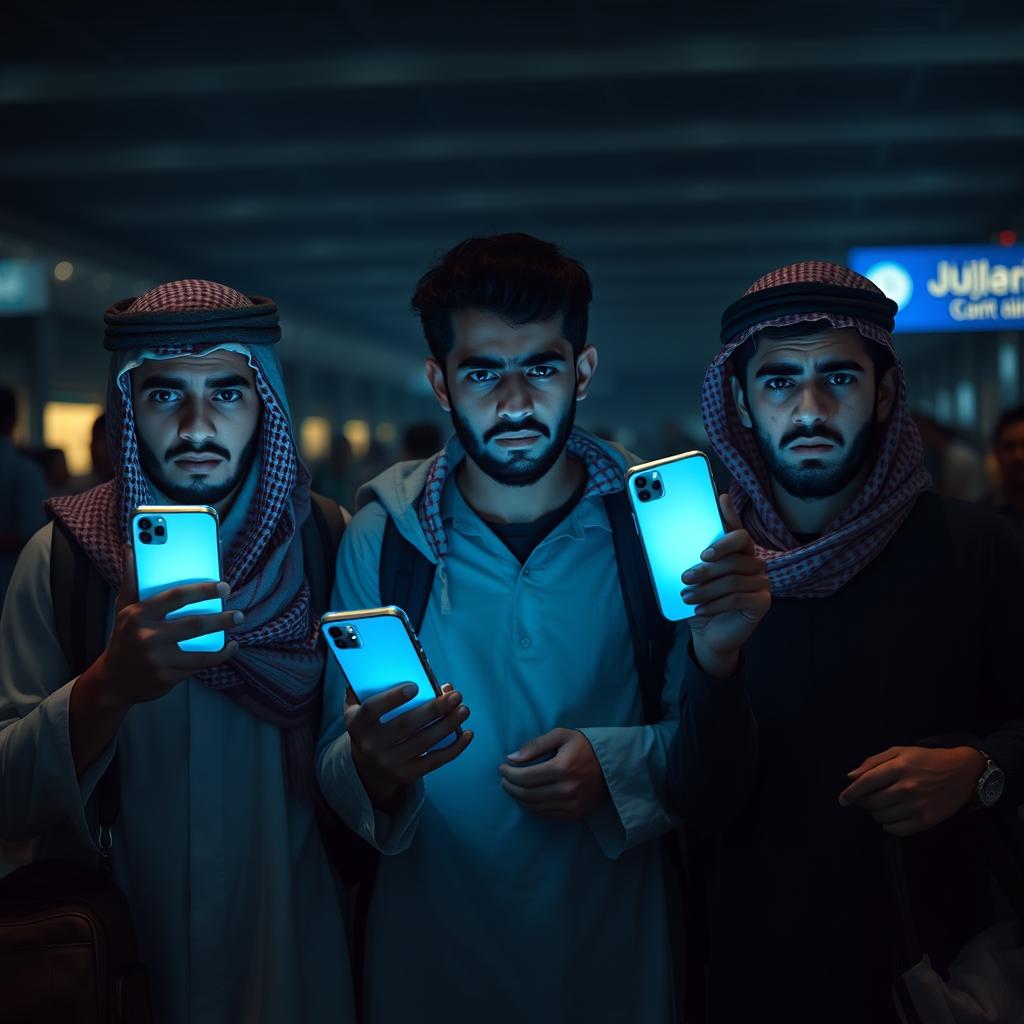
481	376
777	384
228	395
541	372
841	380
163	396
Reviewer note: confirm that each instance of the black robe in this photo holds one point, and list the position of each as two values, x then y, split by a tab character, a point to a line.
920	648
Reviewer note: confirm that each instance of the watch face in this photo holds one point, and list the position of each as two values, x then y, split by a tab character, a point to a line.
992	786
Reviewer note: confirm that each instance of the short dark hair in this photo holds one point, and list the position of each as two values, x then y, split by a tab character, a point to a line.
1007	419
8	411
881	358
515	276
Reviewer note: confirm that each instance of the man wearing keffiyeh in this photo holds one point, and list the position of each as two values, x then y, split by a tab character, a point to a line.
216	847
866	712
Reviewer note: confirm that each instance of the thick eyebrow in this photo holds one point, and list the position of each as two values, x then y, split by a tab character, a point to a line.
796	369
231	380
478	362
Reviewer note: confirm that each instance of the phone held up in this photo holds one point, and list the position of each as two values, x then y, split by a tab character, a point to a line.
675	508
174	545
377	649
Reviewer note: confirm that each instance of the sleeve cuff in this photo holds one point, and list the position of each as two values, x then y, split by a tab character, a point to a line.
632	760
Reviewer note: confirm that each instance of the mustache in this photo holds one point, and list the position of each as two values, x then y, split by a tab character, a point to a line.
505	428
826	432
208	447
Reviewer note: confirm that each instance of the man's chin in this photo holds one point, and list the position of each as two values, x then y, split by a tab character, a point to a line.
196	490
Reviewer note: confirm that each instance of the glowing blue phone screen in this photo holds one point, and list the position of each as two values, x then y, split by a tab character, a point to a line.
678	519
383	658
187	552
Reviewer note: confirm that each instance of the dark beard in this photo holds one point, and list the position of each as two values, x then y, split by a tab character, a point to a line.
523	468
813	480
198	492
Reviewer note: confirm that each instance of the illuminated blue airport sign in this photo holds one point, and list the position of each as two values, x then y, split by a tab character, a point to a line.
22	287
949	287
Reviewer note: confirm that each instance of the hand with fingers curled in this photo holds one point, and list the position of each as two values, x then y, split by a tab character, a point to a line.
910	789
390	756
732	594
142	660
569	784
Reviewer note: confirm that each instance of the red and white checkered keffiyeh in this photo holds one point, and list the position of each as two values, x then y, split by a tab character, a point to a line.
821	567
277	669
604	475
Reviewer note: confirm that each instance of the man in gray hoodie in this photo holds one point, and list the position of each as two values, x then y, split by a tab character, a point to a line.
520	880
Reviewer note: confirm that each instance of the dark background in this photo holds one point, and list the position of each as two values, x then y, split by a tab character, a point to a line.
325	156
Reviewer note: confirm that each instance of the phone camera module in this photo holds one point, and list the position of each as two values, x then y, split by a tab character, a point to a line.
641	481
146	537
159	531
643	495
656	484
145	524
335	632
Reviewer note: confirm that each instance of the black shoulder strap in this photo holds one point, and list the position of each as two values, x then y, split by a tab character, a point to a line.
81	599
652	634
321	536
406	575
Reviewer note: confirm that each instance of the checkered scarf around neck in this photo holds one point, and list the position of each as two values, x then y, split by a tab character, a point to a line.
604	475
820	567
276	671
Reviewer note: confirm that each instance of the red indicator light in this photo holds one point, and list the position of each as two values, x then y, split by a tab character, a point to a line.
1006	237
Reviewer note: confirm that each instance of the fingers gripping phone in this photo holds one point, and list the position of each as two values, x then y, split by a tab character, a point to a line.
378	649
675	508
173	545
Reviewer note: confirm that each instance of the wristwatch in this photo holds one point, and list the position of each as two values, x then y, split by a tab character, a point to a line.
990	785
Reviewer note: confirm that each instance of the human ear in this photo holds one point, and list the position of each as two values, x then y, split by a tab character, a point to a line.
886	394
740	399
586	367
438	384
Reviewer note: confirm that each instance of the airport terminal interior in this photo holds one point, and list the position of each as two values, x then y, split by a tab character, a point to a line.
325	157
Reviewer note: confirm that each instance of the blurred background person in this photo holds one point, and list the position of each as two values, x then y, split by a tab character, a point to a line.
22	492
957	468
99	453
1008	448
420	441
335	476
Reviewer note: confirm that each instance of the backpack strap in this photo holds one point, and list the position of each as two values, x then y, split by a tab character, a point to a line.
321	536
652	635
81	599
406	575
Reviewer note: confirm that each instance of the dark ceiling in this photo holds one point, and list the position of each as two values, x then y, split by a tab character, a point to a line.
326	156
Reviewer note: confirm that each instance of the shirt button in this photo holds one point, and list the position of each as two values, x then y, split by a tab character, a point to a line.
526	572
525	642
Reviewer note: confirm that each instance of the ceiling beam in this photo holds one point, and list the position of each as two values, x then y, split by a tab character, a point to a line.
120	157
696	54
630	194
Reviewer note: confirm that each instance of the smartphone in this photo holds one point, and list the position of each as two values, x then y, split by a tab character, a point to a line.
675	508
176	544
376	649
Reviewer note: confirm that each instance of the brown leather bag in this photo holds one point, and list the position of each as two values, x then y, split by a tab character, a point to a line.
67	949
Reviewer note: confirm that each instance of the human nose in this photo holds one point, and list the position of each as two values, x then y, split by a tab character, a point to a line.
514	400
196	423
811	408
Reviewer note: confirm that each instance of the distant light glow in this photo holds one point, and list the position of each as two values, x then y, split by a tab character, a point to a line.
63	270
1009	373
315	437
894	279
385	432
966	404
358	434
1006	237
68	425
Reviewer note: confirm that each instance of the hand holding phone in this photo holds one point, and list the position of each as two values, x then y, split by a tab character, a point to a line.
143	658
730	592
402	726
